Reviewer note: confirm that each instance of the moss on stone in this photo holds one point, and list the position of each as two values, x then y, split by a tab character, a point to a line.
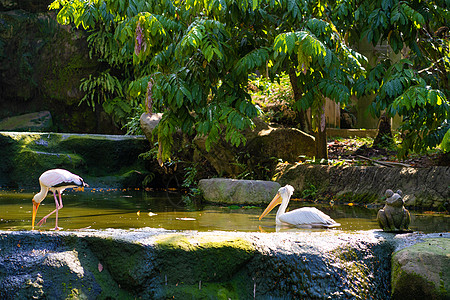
90	255
104	155
190	260
220	291
33	163
356	270
124	261
61	78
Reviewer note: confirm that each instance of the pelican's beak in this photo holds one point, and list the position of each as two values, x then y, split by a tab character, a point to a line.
275	201
35	208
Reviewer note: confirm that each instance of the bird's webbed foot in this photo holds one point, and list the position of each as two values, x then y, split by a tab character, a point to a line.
42	221
57	228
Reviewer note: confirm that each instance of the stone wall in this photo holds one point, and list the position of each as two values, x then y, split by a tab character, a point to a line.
423	188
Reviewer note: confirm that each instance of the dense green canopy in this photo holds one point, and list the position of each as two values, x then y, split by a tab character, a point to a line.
191	60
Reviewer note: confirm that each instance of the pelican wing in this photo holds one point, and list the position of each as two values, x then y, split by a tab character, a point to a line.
309	216
60	177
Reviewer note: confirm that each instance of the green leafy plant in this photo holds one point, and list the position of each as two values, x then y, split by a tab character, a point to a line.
310	191
99	89
190	178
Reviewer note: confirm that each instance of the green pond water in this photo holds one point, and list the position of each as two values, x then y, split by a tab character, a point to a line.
101	209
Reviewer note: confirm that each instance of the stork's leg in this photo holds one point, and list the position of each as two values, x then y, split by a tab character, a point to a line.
58	207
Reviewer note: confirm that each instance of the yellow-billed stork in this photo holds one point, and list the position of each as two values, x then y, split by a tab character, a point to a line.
56	181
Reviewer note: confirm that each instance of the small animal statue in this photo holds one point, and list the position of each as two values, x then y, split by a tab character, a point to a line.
394	216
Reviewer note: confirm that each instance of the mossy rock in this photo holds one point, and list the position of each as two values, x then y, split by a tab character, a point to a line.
210	290
107	160
31	162
204	266
106	154
238	192
39	121
422	271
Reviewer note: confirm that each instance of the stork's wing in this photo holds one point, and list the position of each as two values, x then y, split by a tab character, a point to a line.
308	216
60	177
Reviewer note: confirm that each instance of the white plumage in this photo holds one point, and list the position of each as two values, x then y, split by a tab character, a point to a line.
303	217
56	181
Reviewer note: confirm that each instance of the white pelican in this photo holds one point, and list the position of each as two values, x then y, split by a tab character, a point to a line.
308	217
56	181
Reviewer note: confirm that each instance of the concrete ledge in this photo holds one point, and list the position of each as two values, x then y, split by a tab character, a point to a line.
347	133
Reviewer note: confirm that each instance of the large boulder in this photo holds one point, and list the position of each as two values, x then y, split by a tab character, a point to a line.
283	143
232	191
422	271
102	160
222	156
42	57
39	121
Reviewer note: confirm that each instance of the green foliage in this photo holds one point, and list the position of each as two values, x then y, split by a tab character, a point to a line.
310	191
416	88
133	126
445	146
98	88
199	60
428	115
198	55
106	89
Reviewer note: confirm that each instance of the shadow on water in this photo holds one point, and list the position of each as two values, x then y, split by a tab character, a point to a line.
124	209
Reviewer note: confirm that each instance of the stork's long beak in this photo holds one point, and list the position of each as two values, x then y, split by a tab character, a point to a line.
275	201
35	208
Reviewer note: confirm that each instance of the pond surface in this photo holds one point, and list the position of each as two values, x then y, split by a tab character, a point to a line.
101	209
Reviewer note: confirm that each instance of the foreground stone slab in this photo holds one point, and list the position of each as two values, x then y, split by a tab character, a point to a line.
233	191
154	263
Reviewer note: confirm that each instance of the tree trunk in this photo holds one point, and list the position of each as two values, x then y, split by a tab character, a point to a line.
321	136
303	119
384	138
